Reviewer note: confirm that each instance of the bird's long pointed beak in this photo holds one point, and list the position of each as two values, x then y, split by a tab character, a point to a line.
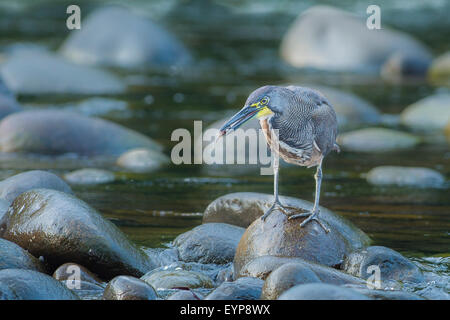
238	119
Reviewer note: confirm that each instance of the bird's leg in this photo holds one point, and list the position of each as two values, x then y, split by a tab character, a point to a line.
314	213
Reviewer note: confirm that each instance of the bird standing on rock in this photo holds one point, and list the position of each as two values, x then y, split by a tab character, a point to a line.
300	126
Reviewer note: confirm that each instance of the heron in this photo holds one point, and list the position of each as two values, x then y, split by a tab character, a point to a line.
300	126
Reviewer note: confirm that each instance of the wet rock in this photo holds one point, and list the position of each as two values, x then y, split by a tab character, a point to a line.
394	267
209	243
279	236
388	294
328	38
428	114
242	289
19	284
169	279
39	72
13	186
185	295
115	36
14	257
89	176
291	274
4	205
376	140
69	270
142	160
321	291
226	274
59	132
440	69
351	110
405	176
128	288
8	103
399	66
63	228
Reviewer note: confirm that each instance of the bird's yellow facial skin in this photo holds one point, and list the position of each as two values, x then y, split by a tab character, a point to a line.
264	112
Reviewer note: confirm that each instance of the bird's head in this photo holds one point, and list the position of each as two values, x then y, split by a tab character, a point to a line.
263	102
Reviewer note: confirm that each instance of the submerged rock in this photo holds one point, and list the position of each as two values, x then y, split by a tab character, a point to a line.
209	243
60	132
19	284
242	208
63	228
89	176
328	38
405	176
14	257
142	160
13	186
115	36
170	279
321	291
242	289
39	72
428	114
128	288
291	274
279	236
394	267
376	140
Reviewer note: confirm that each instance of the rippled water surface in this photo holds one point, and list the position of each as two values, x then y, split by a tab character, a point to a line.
236	51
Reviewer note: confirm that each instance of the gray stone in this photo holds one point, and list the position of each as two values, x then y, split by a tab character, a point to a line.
279	236
241	289
115	36
394	268
328	38
89	176
170	279
59	132
19	284
8	102
209	243
405	176
68	270
39	72
429	114
128	288
376	140
13	186
185	295
142	160
321	291
62	228
14	257
387	294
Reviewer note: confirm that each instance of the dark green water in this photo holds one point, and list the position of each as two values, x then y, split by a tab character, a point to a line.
236	53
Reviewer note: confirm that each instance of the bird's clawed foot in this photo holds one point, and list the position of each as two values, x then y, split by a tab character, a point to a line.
311	215
287	210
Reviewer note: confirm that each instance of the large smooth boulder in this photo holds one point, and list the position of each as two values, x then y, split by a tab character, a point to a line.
291	274
376	140
328	38
115	36
429	114
128	288
394	268
209	243
13	186
279	236
39	72
59	132
321	291
405	176
241	289
14	257
19	284
62	228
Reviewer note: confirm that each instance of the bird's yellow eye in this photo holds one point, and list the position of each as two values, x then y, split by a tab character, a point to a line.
264	100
